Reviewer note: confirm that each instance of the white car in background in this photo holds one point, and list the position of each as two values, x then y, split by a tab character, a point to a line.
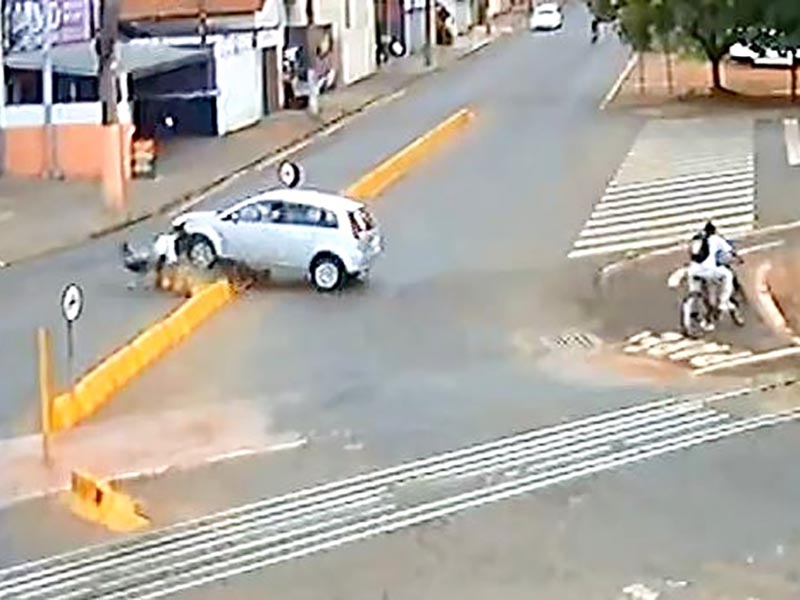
328	237
744	53
546	17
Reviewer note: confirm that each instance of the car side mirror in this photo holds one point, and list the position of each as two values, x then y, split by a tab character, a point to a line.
233	217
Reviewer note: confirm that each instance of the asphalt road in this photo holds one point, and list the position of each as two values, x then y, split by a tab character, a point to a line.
443	348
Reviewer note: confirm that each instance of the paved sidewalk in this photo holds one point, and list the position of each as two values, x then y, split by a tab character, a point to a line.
40	216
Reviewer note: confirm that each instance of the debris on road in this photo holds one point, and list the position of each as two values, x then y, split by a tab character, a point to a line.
639	591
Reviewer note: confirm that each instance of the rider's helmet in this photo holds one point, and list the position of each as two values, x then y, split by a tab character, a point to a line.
710	229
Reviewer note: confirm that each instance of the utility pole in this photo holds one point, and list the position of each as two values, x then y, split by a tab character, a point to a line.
428	34
106	47
202	24
51	20
310	56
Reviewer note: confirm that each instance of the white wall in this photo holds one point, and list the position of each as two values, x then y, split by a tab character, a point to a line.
357	47
356	43
296	11
73	113
239	76
462	13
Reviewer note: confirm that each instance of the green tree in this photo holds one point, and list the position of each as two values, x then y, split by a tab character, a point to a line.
603	10
635	22
664	27
715	25
780	31
711	25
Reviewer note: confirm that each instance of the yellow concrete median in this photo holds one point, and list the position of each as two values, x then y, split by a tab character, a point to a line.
99	384
99	502
389	171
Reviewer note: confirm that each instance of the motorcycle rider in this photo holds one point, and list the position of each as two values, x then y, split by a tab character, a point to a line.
710	254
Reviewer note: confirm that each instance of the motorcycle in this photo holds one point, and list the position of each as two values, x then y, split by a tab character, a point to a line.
700	310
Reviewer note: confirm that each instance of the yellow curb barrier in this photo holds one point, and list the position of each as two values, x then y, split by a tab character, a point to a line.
98	502
61	415
396	166
98	385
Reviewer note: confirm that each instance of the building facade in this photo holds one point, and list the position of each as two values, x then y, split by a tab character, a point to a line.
180	72
352	23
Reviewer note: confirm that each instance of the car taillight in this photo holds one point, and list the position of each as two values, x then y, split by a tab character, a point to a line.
354	226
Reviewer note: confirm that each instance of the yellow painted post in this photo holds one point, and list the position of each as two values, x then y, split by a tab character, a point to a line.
45	388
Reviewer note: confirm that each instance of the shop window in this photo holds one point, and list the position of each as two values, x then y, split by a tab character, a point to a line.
24	87
76	89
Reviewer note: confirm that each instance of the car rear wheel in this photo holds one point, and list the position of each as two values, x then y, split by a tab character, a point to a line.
201	252
327	273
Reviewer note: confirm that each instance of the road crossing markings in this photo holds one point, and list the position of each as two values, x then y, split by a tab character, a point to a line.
657	237
601	217
791	133
615	187
312	520
676	177
627	224
699	355
747	359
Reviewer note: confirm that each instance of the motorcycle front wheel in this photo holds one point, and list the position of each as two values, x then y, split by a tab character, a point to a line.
693	315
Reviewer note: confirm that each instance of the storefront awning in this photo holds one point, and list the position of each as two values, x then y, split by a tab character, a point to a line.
141	60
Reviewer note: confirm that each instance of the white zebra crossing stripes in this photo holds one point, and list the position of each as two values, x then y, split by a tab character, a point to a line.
678	175
791	135
315	519
674	347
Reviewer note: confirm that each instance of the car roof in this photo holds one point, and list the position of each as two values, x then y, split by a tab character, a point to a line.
547	7
313	197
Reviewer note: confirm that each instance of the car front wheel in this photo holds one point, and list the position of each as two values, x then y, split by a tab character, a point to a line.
201	252
327	273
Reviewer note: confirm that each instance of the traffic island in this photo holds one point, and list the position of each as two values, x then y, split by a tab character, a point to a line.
780	292
639	313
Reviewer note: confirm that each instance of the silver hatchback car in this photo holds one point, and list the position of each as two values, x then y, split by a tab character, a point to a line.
327	236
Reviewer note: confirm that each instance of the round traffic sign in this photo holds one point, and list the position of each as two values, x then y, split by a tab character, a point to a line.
290	174
72	302
397	48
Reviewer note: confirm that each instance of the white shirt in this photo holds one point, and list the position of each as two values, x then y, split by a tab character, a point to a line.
165	246
718	249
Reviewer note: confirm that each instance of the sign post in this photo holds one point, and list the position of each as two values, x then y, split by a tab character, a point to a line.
71	309
45	389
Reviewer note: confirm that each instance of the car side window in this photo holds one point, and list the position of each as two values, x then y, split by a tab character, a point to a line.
250	213
310	216
273	212
329	219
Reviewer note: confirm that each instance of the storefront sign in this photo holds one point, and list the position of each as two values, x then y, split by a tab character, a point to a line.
24	23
